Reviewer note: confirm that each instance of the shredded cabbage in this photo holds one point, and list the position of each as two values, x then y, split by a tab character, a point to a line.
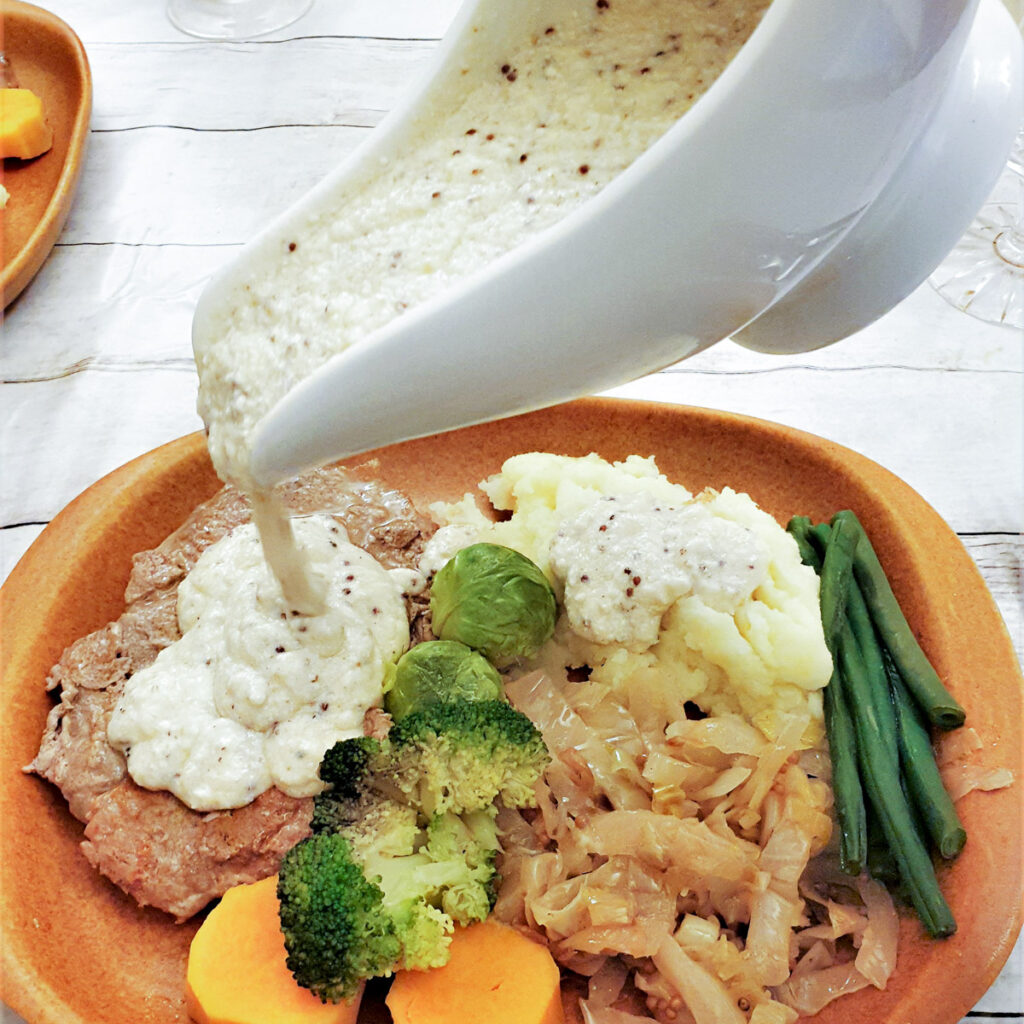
685	869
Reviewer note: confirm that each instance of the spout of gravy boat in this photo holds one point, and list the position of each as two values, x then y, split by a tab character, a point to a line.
773	168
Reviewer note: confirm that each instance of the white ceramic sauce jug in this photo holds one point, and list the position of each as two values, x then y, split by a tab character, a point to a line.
820	179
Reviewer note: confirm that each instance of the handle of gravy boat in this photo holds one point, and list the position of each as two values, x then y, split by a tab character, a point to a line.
923	210
708	228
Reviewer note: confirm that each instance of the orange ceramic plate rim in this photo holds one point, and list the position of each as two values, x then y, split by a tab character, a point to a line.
134	507
21	266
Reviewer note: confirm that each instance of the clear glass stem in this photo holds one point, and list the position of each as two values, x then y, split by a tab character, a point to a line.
234	19
984	274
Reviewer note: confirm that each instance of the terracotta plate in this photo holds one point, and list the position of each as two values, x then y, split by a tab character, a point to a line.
79	952
47	57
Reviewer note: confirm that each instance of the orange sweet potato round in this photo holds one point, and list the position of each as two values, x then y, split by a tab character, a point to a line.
236	967
495	975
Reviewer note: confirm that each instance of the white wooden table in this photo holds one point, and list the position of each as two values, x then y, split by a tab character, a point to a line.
194	145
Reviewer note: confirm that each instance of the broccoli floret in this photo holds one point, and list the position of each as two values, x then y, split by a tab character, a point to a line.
336	932
345	765
359	903
458	756
465	755
405	843
470	839
346	769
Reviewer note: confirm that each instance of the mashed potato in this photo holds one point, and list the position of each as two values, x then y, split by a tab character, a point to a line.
736	623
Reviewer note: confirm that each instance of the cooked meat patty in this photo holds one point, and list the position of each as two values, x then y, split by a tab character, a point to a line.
149	843
165	854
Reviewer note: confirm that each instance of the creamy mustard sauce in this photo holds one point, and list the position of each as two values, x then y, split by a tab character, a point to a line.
282	651
625	560
254	692
301	588
521	142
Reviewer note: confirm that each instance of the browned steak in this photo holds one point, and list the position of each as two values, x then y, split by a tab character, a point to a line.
164	853
149	843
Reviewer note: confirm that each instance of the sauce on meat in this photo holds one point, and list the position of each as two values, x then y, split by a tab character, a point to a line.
518	145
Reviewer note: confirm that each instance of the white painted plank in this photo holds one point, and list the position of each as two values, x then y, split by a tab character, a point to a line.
60	436
114	306
320	81
164	185
922	332
1005	999
15	540
862	409
401	19
1000	560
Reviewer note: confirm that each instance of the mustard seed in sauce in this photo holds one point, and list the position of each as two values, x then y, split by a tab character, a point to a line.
266	709
604	599
242	374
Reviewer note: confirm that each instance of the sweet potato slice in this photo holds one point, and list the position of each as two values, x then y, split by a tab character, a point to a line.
495	975
237	972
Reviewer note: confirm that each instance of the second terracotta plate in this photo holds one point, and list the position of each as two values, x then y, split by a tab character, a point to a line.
77	951
47	57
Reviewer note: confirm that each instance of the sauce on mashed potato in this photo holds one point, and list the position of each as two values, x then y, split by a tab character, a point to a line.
625	560
732	625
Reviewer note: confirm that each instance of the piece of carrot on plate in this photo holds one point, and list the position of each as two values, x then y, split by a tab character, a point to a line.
24	132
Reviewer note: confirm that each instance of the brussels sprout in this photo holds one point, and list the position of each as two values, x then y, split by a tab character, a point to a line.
438	671
495	600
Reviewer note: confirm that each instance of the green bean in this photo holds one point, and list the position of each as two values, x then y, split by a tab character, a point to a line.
848	795
907	741
863	629
867	722
880	775
921	773
914	668
799	528
837	574
881	863
819	536
876	666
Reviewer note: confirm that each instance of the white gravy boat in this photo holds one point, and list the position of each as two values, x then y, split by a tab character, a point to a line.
819	180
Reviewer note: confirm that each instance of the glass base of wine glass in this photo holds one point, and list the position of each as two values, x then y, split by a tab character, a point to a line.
234	19
984	274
